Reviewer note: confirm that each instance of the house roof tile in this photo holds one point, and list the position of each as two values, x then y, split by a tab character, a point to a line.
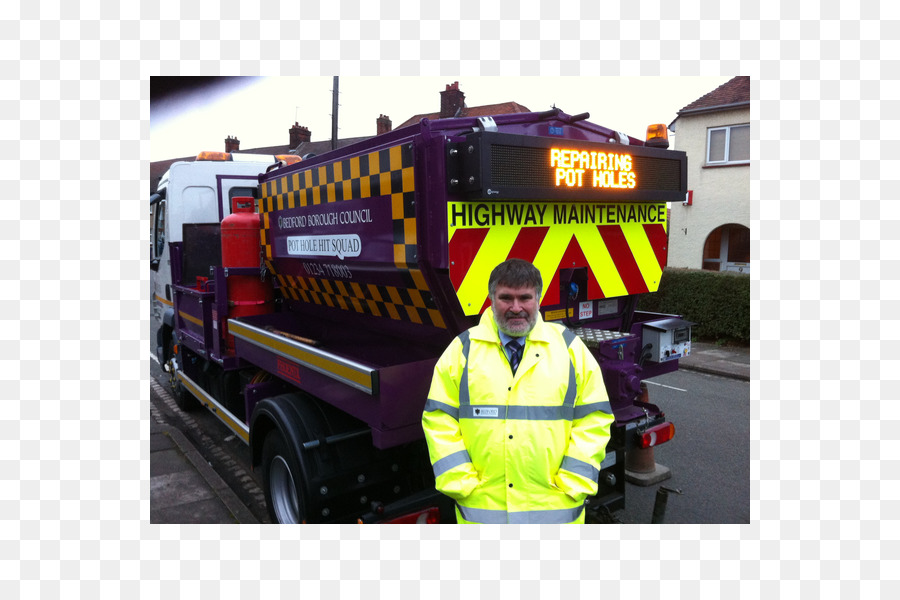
504	108
734	91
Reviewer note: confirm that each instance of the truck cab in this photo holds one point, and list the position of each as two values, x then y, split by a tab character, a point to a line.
191	193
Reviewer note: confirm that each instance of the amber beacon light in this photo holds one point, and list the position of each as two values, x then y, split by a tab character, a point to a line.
658	136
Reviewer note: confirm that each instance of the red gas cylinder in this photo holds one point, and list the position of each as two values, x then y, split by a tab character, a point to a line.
247	295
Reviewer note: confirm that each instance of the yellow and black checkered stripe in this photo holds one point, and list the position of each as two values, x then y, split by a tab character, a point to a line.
388	172
414	304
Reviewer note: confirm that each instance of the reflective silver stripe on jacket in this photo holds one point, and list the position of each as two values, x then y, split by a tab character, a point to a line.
579	467
448	462
432	405
586	409
572	390
482	515
464	380
566	412
516	412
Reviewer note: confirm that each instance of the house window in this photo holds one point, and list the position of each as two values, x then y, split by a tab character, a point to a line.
727	248
728	145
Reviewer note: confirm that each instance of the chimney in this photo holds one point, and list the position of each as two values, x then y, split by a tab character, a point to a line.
298	135
232	144
452	101
382	124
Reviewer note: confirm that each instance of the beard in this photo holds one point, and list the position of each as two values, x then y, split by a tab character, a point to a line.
516	325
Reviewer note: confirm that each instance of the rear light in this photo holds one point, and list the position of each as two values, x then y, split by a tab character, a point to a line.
656	435
428	516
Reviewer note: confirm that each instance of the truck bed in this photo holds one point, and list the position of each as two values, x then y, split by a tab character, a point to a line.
382	381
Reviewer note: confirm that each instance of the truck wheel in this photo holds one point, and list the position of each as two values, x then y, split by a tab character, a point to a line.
183	399
280	478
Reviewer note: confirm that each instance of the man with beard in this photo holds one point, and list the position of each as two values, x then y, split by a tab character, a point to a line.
517	417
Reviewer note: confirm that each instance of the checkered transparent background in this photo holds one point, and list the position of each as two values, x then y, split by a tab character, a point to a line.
74	148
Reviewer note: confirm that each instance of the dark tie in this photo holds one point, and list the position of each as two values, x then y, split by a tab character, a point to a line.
515	354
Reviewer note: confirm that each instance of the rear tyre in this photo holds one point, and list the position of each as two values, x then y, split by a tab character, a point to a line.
281	478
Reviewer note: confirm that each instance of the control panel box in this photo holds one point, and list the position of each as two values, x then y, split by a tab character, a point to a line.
668	339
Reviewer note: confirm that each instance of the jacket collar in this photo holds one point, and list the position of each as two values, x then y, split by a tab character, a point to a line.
486	330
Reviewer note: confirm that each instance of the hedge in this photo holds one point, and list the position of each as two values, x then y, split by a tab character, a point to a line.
718	302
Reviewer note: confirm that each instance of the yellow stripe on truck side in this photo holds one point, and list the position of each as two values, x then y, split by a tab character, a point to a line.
217	409
190	319
163	300
354	374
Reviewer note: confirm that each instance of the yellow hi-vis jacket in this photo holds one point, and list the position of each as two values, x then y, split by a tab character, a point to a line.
517	449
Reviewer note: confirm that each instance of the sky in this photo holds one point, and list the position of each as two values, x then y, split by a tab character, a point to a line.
259	111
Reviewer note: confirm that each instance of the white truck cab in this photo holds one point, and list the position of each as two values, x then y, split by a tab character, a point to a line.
193	192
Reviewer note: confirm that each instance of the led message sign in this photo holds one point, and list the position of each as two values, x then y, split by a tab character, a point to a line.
608	169
493	165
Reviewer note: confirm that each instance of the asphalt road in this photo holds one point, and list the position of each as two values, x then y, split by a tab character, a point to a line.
709	457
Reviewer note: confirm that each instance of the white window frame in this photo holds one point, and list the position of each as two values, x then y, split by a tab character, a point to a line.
727	160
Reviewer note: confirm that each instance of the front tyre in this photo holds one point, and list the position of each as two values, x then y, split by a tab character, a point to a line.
183	399
280	480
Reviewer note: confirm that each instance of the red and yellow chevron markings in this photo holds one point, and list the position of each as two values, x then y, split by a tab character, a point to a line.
623	247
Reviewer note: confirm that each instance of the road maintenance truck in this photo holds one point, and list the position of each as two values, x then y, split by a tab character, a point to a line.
311	325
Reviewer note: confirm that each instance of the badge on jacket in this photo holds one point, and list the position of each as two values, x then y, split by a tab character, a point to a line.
487	412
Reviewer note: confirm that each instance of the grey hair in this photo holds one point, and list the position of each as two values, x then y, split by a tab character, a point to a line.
515	273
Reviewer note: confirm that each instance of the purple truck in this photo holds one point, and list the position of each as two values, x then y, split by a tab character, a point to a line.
317	345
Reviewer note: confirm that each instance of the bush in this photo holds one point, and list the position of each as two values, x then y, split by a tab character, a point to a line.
718	302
